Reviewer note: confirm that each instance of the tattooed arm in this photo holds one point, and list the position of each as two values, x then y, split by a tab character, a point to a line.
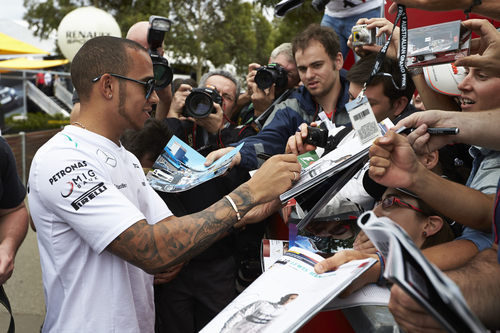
174	240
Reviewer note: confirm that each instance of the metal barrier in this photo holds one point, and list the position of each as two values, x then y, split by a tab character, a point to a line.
63	94
43	101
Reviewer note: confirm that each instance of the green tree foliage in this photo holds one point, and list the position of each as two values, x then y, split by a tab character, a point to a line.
45	16
219	31
223	32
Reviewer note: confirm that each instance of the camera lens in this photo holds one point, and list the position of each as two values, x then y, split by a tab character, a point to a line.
199	105
162	72
163	75
264	79
268	75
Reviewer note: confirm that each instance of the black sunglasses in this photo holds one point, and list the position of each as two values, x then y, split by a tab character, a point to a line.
149	85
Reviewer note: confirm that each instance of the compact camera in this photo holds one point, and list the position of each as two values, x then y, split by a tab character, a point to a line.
319	137
156	34
361	35
199	103
269	74
316	136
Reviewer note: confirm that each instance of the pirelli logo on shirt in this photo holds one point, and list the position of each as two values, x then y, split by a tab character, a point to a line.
89	195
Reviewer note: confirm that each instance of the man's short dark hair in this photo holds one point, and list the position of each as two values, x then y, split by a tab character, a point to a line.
361	70
325	35
99	55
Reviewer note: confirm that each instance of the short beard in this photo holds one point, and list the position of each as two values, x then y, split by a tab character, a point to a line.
121	106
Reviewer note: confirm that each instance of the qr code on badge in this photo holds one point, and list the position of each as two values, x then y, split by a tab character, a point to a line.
368	131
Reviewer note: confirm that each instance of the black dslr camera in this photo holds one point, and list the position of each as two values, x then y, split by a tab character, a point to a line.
269	74
319	5
200	102
156	33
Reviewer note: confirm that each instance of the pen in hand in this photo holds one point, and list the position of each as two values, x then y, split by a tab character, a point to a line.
432	130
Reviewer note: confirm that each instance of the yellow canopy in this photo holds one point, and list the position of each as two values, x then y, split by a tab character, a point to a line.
23	63
9	45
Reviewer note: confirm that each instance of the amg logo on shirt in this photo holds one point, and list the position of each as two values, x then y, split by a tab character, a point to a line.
89	195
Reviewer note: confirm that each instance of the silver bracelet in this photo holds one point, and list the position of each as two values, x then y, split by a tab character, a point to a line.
234	206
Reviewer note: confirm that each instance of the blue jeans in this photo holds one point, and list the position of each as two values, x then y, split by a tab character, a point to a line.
343	26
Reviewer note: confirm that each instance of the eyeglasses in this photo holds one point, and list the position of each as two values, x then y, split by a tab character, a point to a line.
390	201
149	85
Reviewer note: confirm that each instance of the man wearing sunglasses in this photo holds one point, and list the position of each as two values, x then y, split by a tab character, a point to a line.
138	33
101	228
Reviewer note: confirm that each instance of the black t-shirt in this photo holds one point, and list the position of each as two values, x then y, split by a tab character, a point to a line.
12	191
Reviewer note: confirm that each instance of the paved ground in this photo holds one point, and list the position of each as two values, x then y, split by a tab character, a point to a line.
25	290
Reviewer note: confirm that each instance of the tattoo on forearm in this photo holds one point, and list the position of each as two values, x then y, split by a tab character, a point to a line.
167	243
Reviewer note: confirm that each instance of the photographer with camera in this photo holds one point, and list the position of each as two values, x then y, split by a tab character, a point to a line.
196	115
266	83
341	15
266	86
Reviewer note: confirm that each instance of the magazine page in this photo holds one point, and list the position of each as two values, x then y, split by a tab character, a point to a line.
372	294
179	167
271	251
407	266
287	295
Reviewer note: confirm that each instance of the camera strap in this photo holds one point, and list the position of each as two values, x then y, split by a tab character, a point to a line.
401	16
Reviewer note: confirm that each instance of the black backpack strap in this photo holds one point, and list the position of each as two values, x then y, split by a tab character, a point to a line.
5	301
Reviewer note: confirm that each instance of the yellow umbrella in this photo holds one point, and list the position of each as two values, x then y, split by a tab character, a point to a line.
9	45
23	63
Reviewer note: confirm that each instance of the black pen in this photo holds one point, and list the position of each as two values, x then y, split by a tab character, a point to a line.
443	130
433	130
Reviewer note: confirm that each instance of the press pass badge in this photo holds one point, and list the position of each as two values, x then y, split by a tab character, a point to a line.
362	119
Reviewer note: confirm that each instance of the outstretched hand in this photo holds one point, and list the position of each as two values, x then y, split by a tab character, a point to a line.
216	154
393	162
384	27
363	244
486	49
274	177
295	143
409	314
421	141
340	258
